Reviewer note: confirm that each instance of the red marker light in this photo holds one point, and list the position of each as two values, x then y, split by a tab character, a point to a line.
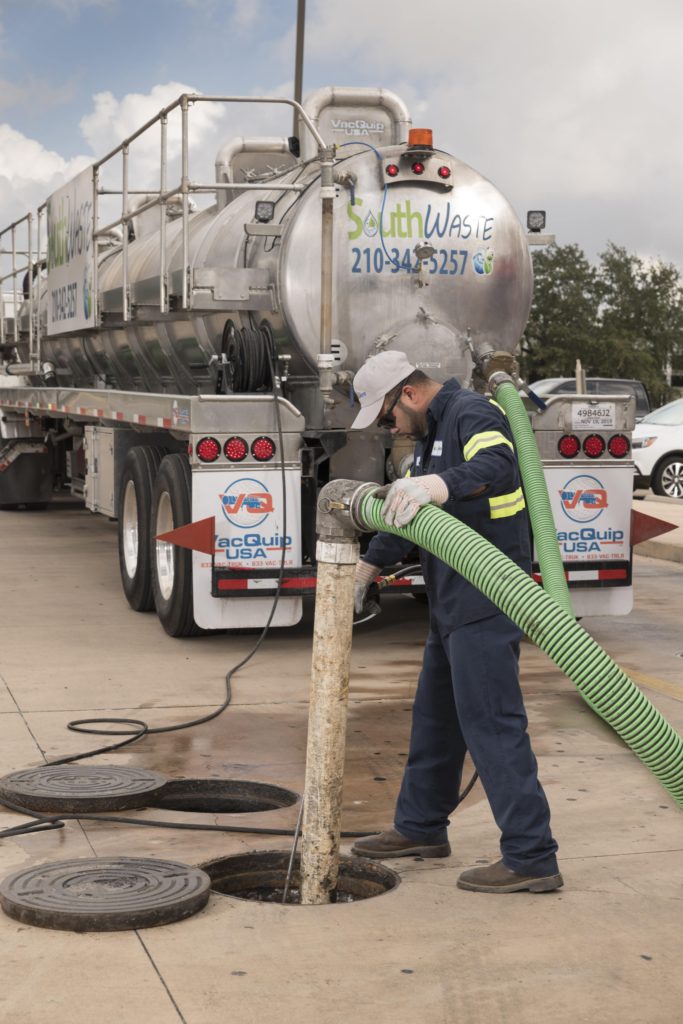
619	446
594	446
444	172
208	449
418	167
263	449
235	449
569	446
392	170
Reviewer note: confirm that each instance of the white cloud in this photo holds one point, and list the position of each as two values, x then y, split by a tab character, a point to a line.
210	125
246	13
571	105
29	173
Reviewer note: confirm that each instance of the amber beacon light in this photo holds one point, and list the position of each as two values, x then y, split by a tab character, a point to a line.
420	138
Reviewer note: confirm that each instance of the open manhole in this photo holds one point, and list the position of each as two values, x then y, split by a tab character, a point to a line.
222	796
261	877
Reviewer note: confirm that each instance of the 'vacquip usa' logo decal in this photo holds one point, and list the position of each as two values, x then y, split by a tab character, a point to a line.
246	502
583	499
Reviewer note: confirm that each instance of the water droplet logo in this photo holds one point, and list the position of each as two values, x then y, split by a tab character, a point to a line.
482	261
370	225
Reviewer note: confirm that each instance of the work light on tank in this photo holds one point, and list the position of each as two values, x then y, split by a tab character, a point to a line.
264	211
535	220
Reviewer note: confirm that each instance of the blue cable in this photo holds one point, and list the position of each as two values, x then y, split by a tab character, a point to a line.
377	153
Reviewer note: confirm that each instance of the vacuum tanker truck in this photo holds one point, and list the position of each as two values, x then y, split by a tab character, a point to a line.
189	358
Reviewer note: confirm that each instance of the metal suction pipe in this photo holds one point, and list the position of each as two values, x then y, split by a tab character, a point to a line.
337	553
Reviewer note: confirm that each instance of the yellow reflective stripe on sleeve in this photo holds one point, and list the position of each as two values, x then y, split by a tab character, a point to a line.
507	504
494	402
485	440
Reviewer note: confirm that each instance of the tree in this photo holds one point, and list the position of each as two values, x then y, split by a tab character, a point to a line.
641	318
564	313
623	318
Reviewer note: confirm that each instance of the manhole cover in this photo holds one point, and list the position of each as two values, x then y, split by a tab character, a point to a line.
222	796
104	895
81	788
262	876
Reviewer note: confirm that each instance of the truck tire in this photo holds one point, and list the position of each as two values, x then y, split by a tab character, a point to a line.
171	565
140	468
668	477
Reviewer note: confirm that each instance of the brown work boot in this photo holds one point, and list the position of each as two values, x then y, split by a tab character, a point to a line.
497	878
393	844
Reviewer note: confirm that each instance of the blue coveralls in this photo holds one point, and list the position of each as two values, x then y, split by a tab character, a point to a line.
468	695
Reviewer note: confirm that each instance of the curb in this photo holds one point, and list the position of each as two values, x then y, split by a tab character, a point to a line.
660	549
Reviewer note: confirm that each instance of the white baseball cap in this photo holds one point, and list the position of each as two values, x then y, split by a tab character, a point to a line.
373	382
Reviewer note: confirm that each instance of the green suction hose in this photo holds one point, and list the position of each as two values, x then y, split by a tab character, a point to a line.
599	680
536	493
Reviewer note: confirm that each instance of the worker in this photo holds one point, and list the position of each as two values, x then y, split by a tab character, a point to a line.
468	695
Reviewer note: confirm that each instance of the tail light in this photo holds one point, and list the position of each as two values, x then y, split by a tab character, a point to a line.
236	449
444	172
569	446
418	167
392	170
619	446
208	449
594	446
263	449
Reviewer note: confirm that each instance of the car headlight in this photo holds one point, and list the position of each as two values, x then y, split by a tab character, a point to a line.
643	442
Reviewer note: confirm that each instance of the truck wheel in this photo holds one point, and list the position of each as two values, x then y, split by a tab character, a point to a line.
668	479
134	516
171	565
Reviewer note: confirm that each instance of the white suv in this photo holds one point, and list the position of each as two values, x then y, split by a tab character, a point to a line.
658	450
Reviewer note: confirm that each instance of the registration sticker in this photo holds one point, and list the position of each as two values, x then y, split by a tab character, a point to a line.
591	415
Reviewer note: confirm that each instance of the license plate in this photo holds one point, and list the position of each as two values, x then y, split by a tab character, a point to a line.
591	416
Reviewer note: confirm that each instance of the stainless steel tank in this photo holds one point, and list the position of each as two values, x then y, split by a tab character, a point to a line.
438	268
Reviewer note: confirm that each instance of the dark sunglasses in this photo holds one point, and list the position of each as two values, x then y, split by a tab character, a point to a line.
387	420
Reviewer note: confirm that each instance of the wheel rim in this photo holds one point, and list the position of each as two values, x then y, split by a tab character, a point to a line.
672	480
130	530
164	551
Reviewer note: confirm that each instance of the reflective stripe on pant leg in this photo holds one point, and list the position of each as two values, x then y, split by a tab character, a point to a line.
431	780
484	656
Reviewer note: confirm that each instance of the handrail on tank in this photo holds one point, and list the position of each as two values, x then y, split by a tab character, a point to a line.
184	102
27	268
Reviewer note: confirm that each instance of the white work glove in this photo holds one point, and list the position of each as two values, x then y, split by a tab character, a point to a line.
365	574
404	498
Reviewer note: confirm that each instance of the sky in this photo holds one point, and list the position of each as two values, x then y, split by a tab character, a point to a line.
574	108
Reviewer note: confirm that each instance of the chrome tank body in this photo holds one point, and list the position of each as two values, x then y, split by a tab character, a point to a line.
471	296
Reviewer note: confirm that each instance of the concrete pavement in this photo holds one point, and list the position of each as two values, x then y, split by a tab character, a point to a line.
604	949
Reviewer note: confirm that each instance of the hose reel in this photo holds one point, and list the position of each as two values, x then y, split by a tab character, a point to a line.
247	355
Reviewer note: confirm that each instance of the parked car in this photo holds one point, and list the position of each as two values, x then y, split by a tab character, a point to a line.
596	386
658	450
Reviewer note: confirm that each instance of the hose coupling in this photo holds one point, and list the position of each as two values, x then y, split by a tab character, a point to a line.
499	377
